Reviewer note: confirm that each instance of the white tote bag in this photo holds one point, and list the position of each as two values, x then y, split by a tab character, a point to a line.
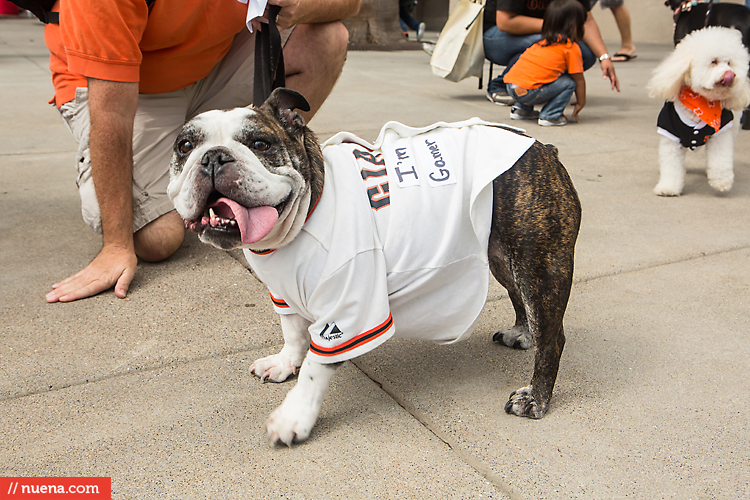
459	51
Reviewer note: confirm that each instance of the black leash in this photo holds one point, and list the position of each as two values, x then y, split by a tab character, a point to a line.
269	59
708	12
688	5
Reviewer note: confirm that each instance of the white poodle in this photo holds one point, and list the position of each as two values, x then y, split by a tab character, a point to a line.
703	80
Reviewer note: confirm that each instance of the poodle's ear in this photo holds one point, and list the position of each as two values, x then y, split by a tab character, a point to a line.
740	60
672	73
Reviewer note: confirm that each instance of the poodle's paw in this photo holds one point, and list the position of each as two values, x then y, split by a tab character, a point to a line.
667	189
276	368
721	183
290	423
523	404
517	337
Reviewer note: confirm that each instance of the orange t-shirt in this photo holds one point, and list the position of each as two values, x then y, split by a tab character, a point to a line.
541	64
166	47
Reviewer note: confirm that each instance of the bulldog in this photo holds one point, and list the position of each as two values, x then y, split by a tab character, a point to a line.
359	242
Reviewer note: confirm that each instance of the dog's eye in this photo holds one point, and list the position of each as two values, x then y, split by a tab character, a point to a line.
260	145
185	146
714	62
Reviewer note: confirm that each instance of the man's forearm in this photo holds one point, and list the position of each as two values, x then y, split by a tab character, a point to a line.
112	107
515	24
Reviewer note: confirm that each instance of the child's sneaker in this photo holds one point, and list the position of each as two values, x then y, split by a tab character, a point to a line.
557	122
523	114
501	98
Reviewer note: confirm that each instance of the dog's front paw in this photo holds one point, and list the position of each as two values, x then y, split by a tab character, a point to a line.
290	423
721	183
666	189
276	368
523	404
517	337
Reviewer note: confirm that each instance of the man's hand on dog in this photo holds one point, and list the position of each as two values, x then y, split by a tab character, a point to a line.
114	266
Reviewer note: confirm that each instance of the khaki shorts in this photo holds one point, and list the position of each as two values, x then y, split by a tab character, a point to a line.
158	120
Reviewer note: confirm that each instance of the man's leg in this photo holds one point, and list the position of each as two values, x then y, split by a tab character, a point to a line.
159	230
160	238
622	18
314	56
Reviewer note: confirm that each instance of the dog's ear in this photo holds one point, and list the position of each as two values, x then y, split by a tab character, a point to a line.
672	72
740	62
282	103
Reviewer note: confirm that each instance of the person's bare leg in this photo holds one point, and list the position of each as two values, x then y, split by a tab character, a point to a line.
622	18
314	56
160	238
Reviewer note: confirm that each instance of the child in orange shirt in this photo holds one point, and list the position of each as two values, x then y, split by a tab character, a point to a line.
551	70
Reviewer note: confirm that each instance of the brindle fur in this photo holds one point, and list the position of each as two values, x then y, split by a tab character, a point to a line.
280	106
536	217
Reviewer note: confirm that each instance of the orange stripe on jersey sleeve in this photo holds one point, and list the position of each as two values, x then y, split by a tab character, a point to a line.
357	341
263	252
278	302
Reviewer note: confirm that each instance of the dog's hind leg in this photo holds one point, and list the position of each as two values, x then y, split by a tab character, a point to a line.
279	367
536	218
517	336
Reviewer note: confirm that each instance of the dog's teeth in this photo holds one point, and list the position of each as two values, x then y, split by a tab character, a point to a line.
212	213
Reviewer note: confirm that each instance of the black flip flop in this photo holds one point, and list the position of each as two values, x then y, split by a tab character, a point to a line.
626	57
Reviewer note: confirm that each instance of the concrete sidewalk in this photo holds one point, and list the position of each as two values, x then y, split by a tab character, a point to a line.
154	391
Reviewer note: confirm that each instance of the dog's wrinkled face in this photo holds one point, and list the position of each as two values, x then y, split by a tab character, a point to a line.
242	177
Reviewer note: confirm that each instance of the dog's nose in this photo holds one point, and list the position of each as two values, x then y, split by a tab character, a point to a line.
214	160
728	78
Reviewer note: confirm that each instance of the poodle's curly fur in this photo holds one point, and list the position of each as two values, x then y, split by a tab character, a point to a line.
713	63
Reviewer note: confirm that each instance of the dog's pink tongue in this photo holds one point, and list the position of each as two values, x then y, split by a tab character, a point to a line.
254	223
728	78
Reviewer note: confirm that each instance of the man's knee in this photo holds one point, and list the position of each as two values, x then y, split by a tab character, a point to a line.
333	35
160	238
316	43
589	59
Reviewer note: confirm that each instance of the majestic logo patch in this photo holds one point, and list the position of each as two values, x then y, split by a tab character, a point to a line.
331	332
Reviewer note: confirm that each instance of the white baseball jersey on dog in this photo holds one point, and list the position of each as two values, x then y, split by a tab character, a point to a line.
397	244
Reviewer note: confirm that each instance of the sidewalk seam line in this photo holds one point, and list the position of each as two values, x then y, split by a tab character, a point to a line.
476	464
133	371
